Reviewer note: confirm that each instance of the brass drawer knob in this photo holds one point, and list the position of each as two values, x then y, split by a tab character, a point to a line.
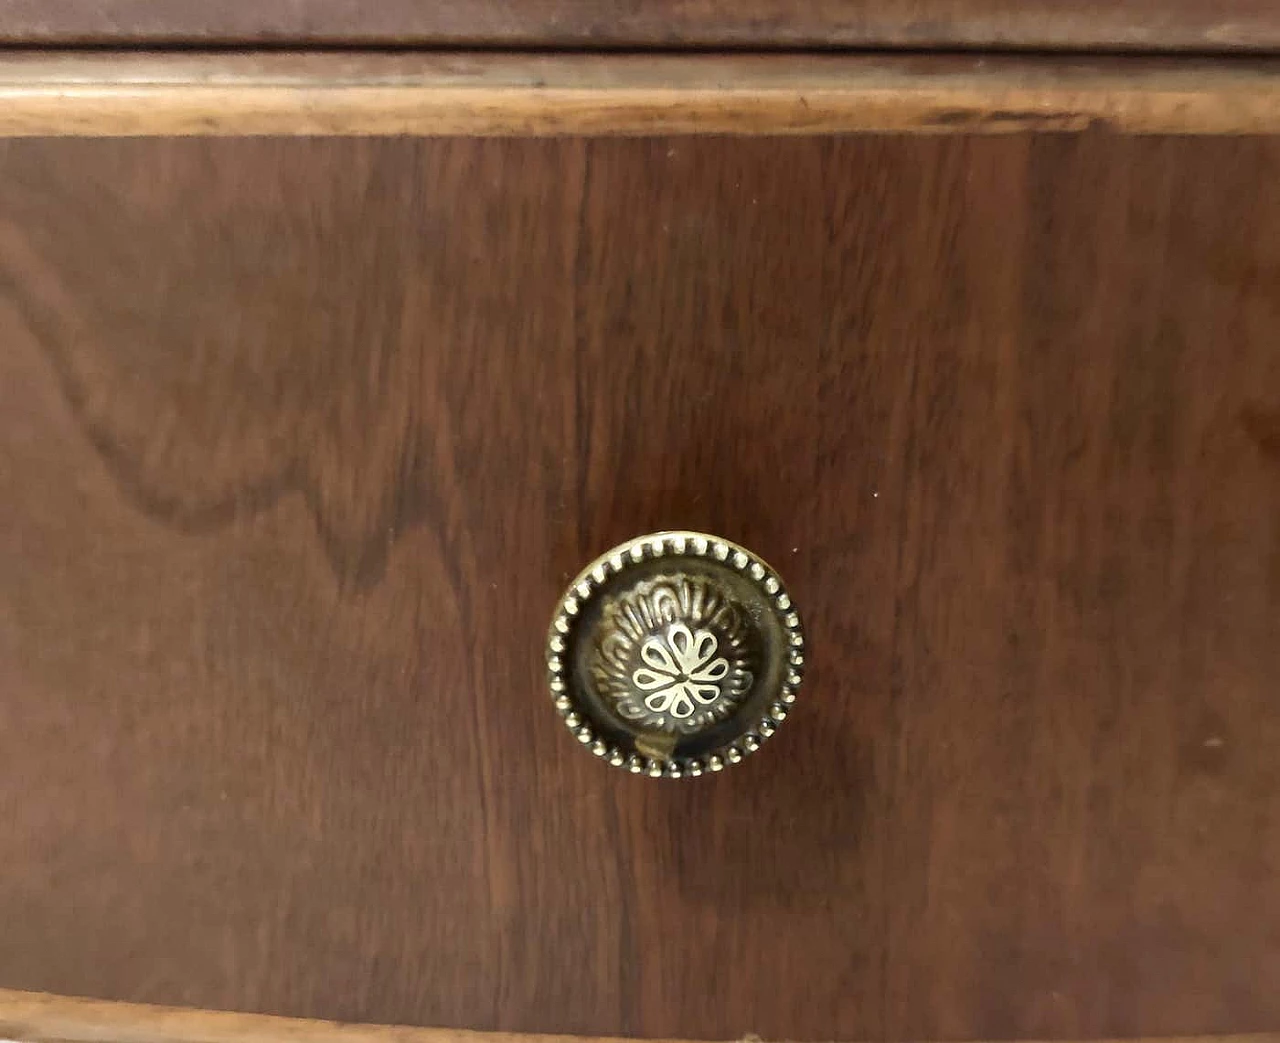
675	654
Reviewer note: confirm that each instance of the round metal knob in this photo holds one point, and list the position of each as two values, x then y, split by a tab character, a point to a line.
675	654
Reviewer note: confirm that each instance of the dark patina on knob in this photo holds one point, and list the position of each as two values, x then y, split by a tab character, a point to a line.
675	654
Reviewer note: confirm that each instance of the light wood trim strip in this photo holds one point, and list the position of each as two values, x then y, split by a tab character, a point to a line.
37	1017
130	94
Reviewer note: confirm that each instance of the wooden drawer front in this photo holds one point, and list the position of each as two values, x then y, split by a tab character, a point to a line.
299	441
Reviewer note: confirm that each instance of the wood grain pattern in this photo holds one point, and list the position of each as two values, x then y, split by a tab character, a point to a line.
33	1017
300	439
916	24
123	94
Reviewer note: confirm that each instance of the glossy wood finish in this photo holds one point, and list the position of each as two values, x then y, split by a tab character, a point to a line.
124	94
299	440
916	24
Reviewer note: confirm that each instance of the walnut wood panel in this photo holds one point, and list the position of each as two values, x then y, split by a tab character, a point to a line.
123	94
1036	24
299	441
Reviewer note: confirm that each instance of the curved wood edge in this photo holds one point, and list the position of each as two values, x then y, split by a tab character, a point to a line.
105	94
37	1017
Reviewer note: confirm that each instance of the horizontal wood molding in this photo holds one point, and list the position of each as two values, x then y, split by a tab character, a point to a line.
37	1017
140	94
1158	25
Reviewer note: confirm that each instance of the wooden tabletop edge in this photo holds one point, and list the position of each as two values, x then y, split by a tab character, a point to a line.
37	1017
105	94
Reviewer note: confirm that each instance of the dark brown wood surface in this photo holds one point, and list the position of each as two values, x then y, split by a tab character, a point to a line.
1202	25
300	439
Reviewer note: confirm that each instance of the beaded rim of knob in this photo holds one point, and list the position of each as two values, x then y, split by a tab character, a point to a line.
650	547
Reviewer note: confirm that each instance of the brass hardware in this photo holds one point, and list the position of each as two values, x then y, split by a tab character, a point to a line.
675	654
